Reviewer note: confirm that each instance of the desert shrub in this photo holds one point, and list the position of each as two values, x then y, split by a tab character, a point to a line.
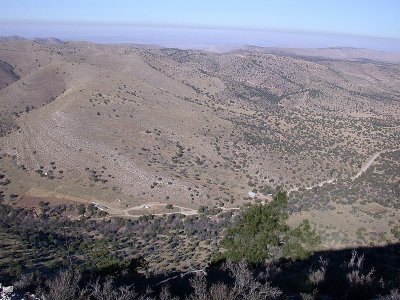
64	287
360	281
317	276
245	285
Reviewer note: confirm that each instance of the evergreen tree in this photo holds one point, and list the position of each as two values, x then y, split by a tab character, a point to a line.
262	232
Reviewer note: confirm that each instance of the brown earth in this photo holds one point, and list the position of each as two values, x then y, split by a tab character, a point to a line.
125	125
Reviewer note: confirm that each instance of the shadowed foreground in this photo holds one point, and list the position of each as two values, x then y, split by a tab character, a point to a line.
362	273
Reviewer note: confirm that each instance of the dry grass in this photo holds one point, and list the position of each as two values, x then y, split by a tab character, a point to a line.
124	126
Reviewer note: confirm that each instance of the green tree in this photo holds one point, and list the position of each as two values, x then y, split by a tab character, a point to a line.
262	232
300	242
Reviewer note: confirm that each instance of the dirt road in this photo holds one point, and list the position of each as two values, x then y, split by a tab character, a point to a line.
363	168
369	162
151	205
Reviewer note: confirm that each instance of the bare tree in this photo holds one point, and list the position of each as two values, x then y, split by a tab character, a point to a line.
245	286
65	286
165	294
355	277
199	284
317	276
107	291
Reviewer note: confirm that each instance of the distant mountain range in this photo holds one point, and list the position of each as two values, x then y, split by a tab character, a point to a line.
342	53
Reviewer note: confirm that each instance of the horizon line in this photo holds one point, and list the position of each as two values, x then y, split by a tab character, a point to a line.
239	46
189	26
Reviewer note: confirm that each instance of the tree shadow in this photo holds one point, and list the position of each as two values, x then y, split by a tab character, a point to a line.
353	273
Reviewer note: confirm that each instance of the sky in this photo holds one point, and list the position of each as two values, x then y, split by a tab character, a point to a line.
125	20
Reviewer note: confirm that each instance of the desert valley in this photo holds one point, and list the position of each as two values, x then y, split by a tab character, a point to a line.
170	145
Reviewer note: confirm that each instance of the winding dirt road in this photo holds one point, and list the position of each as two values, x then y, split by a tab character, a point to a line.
363	168
148	206
190	212
313	186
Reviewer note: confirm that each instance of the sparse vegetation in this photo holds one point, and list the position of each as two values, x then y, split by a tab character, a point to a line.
159	164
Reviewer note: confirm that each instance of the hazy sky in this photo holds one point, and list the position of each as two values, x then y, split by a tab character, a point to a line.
376	18
363	17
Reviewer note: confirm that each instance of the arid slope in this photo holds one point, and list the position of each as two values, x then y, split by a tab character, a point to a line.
127	125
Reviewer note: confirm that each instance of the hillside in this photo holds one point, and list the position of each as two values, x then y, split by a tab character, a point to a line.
7	75
336	53
134	129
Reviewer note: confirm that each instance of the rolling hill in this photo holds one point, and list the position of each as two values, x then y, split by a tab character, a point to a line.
126	125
